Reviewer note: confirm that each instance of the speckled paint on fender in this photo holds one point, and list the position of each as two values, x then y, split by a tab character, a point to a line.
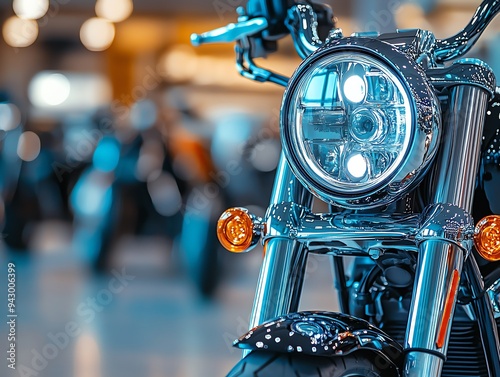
322	334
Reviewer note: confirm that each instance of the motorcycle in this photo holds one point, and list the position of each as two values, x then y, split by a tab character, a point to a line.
224	186
400	136
118	193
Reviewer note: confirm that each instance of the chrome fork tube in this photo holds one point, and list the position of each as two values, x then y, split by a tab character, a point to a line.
437	264
461	149
282	272
440	261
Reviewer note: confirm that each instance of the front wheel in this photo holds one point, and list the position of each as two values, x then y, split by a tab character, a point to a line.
268	364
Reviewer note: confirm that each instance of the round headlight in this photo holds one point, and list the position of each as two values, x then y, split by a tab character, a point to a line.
359	123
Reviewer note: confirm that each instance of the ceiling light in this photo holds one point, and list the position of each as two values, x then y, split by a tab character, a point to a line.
97	34
30	9
49	89
114	10
29	146
19	32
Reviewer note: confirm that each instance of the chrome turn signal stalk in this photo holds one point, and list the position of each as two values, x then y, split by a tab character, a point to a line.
238	230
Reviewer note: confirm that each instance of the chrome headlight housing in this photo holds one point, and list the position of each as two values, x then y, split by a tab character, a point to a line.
359	123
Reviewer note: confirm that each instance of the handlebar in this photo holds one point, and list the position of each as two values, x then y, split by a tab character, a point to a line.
270	20
263	17
231	32
311	24
460	43
274	11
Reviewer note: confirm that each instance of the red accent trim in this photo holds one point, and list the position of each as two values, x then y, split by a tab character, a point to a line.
448	306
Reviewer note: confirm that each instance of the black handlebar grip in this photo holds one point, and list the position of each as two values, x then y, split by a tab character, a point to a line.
275	12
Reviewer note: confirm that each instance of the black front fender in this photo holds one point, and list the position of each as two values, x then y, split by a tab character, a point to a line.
322	334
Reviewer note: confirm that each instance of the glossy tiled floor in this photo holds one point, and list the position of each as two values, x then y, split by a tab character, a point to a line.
149	322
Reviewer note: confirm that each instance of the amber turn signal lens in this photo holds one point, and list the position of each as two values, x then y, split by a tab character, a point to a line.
235	230
487	238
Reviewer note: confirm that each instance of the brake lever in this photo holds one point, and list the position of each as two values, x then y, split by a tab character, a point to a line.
302	23
248	69
242	32
231	32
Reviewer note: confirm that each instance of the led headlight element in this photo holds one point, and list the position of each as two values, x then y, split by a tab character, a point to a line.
359	123
357	166
354	88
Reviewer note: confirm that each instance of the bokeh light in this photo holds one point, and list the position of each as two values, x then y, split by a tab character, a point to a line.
87	356
165	194
29	145
114	10
265	155
92	196
30	9
180	63
10	116
150	162
18	32
97	34
143	115
49	89
107	155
